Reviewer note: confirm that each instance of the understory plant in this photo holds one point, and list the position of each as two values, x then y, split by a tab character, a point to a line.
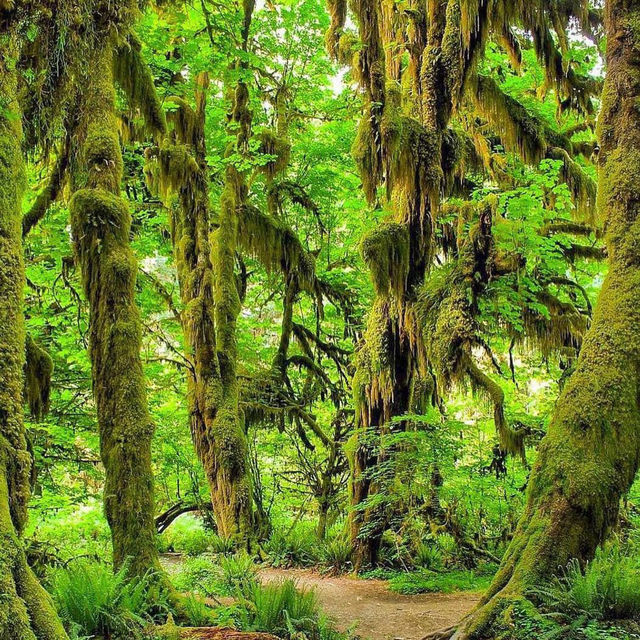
93	601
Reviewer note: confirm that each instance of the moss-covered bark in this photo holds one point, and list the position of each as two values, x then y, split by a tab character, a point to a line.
590	456
101	225
208	288
26	611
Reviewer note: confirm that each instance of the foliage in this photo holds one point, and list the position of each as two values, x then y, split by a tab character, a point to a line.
606	589
93	600
295	548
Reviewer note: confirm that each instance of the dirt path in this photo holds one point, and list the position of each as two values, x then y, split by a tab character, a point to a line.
381	614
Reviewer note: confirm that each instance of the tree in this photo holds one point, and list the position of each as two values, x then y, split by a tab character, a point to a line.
27	611
590	456
419	69
101	225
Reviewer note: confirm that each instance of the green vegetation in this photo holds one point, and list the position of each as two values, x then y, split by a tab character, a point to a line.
319	290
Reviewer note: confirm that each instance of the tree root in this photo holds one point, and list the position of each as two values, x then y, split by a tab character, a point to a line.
446	633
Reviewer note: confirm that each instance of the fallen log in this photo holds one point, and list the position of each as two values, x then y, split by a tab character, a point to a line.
171	631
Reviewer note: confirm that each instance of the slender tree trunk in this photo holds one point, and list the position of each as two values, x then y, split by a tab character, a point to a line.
26	610
101	225
590	456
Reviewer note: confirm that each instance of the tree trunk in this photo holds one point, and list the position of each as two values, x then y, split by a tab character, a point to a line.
590	456
101	224
26	612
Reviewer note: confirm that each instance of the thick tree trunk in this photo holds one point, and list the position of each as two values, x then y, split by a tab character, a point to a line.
590	456
101	224
26	611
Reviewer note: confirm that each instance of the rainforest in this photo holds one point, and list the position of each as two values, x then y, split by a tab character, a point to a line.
319	319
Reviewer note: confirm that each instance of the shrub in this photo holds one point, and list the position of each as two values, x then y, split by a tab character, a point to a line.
220	544
607	589
238	573
337	553
298	548
92	600
186	535
199	575
197	611
448	548
287	611
428	557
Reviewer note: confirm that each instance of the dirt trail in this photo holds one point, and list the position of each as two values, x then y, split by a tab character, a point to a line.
381	614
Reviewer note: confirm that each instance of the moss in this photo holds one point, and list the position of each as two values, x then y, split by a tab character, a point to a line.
26	612
134	76
206	274
338	15
101	223
591	453
276	149
385	250
276	246
37	379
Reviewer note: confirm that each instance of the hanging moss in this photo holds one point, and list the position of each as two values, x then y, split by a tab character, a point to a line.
385	250
338	15
134	76
101	223
582	186
276	246
590	455
26	612
38	369
277	150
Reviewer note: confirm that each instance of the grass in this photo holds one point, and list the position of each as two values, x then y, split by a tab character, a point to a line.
427	581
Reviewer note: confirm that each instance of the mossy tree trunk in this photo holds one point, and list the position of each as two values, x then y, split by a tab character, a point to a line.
590	456
209	291
231	493
26	610
101	225
405	153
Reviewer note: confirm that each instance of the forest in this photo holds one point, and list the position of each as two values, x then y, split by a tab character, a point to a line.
319	319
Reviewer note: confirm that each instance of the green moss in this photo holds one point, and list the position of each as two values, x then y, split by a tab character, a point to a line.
26	612
101	223
590	455
276	149
385	250
37	379
134	76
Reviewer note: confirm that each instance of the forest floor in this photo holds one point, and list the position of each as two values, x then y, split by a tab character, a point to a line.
380	614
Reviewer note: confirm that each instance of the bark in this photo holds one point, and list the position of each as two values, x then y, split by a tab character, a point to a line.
590	456
26	610
101	225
